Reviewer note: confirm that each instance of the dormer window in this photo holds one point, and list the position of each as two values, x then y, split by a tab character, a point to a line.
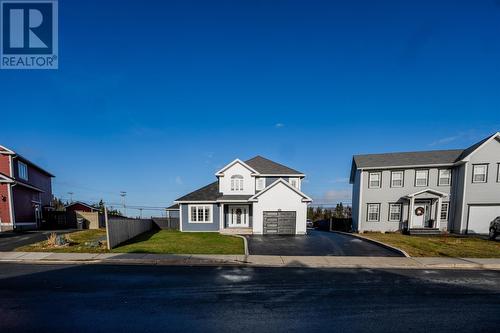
237	183
22	170
261	183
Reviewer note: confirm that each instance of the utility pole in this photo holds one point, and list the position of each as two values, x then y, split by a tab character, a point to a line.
123	194
70	197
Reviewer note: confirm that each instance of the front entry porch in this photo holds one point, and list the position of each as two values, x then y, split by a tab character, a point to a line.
424	213
236	218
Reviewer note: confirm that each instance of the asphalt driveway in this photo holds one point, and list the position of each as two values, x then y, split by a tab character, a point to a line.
316	243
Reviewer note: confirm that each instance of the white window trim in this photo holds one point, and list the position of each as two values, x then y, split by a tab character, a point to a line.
426	178
449	178
297	182
402	178
260	184
485	173
447	211
368	212
379	179
400	212
211	214
21	174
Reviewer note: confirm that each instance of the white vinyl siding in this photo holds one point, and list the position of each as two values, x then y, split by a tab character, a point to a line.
373	213
444	211
480	173
375	180
397	178
421	178
395	212
200	214
22	169
444	177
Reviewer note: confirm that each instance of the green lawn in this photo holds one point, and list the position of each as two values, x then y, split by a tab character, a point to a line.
176	242
79	241
162	241
440	246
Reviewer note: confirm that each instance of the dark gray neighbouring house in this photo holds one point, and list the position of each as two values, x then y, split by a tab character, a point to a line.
444	190
257	196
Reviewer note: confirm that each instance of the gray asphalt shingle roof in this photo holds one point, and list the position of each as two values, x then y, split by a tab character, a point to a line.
206	193
268	167
434	157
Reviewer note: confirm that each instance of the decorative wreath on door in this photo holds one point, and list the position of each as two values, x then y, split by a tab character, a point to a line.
419	211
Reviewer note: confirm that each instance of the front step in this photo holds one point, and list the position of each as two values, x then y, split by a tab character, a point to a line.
425	231
237	231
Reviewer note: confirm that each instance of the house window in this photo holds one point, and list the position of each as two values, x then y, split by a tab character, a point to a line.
260	184
237	183
373	212
374	180
421	177
397	178
395	212
444	211
294	182
480	173
444	177
200	214
22	170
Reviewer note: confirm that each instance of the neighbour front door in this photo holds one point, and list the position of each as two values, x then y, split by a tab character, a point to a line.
238	216
420	214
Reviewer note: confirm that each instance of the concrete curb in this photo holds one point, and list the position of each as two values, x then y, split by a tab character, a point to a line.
318	262
387	246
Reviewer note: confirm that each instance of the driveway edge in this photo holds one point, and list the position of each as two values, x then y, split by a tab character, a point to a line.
387	246
245	243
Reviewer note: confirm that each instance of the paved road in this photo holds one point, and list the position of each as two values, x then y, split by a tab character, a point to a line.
102	298
316	243
10	240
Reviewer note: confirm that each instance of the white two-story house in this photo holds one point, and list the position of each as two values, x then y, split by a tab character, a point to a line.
257	196
445	190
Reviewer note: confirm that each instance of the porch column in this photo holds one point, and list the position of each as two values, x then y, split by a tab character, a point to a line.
438	213
221	217
410	212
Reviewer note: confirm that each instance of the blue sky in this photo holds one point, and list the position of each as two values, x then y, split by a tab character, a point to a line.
152	97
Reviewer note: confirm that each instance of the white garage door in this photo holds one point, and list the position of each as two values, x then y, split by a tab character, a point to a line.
480	218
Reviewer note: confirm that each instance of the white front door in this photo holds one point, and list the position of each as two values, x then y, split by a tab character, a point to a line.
238	216
420	214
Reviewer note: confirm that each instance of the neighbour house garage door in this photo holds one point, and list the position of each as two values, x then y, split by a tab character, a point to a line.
280	223
480	218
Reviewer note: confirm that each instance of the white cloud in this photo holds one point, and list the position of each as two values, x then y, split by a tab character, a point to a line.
340	180
178	180
279	125
445	140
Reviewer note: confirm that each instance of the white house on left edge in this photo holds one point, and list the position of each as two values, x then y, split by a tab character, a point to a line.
257	196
